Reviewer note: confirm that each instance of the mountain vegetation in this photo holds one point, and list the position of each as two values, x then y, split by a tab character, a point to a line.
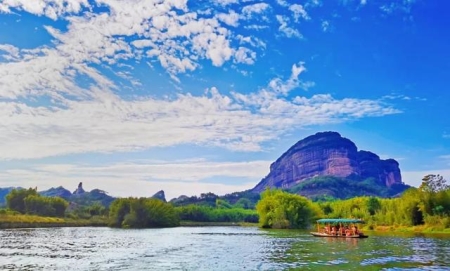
330	187
329	165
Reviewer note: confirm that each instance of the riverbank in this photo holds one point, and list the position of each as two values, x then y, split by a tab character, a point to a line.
216	224
8	221
412	229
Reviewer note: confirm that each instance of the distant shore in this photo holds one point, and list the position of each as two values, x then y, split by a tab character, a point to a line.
412	229
8	221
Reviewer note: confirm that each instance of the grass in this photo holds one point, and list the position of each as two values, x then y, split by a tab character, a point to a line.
411	229
8	221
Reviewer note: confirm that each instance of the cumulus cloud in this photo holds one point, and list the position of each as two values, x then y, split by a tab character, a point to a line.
299	12
80	110
168	32
286	29
107	123
49	8
250	10
283	87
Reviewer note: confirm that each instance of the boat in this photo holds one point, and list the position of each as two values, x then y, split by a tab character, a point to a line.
339	228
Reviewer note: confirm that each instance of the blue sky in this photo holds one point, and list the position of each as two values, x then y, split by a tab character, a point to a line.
201	96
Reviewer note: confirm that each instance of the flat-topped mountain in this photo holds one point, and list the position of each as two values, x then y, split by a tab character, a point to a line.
330	154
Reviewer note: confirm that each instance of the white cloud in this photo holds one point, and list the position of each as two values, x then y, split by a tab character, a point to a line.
286	29
254	41
92	117
325	26
299	12
104	122
283	87
168	32
231	18
446	135
249	10
282	3
244	55
49	8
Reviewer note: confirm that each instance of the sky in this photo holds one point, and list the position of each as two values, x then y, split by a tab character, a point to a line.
189	97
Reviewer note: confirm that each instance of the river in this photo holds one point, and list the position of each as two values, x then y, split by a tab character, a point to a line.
215	248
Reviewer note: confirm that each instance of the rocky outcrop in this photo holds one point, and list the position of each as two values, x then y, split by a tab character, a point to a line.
79	190
160	195
328	154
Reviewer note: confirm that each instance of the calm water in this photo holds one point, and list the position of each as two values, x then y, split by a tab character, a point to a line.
215	248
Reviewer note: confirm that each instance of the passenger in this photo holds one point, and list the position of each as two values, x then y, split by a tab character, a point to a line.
353	230
356	230
347	232
342	231
333	230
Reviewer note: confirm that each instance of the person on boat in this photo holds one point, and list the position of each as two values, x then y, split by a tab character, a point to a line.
333	230
348	232
353	230
343	231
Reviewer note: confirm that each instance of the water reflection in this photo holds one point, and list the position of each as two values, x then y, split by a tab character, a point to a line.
214	248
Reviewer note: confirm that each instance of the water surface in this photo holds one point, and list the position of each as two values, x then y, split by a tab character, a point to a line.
215	248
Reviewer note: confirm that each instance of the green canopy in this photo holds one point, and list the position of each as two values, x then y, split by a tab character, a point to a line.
339	220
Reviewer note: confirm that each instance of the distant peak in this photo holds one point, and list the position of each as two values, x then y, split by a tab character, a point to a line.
79	190
160	195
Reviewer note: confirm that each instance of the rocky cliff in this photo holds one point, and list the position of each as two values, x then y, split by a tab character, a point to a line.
160	195
329	154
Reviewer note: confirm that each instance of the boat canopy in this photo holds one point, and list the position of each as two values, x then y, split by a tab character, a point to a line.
339	220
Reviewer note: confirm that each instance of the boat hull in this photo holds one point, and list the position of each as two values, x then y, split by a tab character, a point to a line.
320	234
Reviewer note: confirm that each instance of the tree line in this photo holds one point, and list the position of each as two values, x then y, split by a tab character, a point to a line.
427	205
28	201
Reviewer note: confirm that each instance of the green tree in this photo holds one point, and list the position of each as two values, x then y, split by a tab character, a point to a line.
432	183
142	213
279	209
15	200
244	203
45	206
373	205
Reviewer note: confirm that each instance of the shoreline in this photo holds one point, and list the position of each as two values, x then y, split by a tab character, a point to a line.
30	221
19	221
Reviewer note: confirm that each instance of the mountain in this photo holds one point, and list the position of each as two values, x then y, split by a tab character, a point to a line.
160	195
57	192
329	154
3	192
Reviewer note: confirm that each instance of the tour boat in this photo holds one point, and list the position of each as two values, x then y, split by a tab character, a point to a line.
339	228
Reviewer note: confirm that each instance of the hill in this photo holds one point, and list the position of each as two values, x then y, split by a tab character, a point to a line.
327	164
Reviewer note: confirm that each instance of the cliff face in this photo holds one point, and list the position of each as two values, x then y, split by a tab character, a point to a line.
328	154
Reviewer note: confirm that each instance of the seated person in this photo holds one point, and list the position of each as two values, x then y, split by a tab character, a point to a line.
333	231
348	232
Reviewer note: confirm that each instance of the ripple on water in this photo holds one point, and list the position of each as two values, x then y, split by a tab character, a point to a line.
213	248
